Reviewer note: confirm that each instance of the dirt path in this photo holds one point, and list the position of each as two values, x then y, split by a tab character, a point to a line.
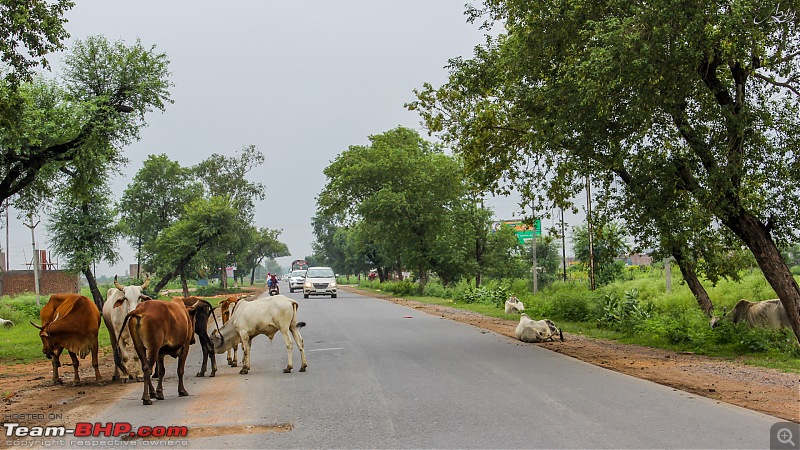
29	396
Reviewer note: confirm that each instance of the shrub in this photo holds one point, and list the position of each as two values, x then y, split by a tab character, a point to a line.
436	289
624	313
487	295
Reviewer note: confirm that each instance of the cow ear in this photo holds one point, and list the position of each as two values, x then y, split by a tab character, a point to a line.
119	302
144	298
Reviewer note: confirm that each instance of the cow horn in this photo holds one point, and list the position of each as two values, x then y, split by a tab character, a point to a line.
37	326
146	282
117	285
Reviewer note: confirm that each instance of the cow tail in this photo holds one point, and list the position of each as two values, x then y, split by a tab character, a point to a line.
294	316
117	358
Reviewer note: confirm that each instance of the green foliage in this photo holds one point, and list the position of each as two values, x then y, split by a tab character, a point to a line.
488	294
622	314
29	31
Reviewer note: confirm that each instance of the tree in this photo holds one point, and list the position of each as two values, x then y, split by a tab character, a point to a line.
264	243
702	98
82	229
204	222
29	31
607	243
99	106
402	186
155	198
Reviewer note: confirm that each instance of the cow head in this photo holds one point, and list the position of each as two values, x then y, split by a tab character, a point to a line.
715	320
47	343
133	293
218	341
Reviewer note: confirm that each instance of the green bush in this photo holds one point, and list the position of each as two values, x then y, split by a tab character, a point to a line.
487	295
436	289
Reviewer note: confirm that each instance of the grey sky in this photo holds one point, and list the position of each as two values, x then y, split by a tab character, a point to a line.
301	80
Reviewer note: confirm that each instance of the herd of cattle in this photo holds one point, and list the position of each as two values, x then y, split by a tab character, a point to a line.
154	329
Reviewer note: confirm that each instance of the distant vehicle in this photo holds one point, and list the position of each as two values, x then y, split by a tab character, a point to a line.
299	264
285	277
296	279
319	281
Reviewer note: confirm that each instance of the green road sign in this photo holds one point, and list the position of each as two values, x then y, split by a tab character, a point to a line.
523	232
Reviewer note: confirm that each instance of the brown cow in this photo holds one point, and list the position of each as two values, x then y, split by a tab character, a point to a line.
160	328
226	307
767	313
69	321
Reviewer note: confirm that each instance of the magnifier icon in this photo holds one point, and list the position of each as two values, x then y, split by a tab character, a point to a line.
785	436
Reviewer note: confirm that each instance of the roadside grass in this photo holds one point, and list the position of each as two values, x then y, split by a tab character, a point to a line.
636	311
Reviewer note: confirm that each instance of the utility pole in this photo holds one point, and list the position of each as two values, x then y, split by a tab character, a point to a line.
32	226
563	246
589	229
8	251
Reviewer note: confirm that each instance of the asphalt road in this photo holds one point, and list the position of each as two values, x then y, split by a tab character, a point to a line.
377	378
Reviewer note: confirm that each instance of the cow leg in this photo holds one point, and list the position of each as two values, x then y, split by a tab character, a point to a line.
75	364
56	363
147	386
202	372
300	346
213	357
181	365
161	371
287	340
245	354
95	363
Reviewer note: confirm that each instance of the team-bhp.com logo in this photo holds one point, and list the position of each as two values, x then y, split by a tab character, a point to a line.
86	429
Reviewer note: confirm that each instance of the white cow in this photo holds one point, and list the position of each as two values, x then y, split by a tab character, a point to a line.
119	302
264	315
6	323
514	305
530	330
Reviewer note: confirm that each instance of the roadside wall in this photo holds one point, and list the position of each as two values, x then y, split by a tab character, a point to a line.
15	282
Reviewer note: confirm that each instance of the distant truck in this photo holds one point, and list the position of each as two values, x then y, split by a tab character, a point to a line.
299	264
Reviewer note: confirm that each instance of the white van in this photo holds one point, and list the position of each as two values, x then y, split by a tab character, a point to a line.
319	281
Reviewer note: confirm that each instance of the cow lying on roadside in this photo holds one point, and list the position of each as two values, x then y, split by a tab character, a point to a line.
530	330
69	321
514	305
6	323
159	328
264	315
202	311
767	313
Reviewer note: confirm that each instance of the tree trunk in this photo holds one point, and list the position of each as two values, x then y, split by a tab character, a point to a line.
184	285
253	276
96	295
181	265
689	274
755	235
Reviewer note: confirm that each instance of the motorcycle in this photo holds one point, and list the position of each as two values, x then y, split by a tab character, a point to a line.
274	289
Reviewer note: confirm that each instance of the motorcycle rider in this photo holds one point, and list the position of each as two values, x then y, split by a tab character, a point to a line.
272	282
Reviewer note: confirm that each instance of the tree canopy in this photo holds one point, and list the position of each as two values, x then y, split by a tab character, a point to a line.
696	101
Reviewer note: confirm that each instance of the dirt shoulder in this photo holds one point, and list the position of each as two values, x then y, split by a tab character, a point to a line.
29	396
764	390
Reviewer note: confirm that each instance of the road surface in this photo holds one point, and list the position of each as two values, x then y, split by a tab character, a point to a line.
382	375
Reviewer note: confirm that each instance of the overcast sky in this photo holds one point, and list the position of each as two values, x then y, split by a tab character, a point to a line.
300	80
